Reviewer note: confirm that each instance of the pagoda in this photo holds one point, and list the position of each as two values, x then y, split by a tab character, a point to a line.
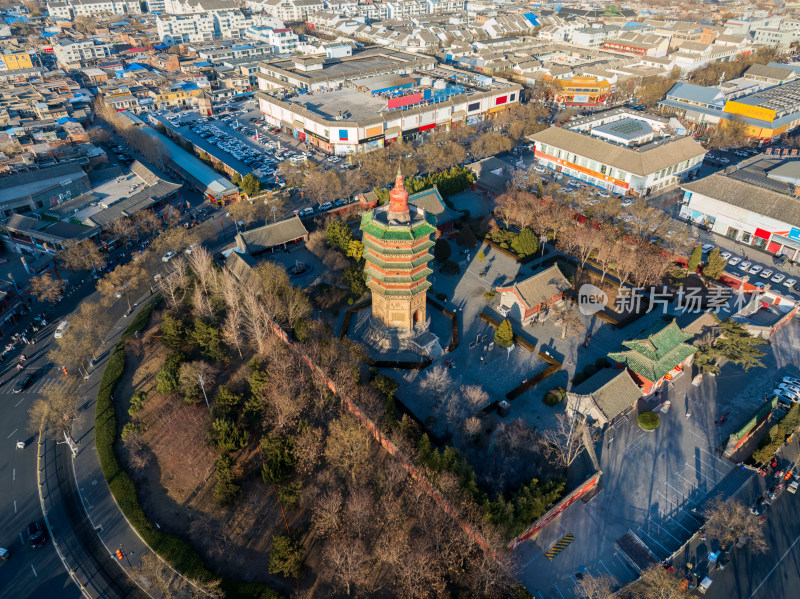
397	242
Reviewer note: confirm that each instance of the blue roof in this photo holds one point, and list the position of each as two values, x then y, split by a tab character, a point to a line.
49	33
245	47
214	183
135	66
532	18
697	93
205	63
161	47
66	119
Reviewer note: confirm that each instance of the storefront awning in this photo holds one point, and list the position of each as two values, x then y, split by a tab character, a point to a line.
392	132
786	241
458	115
298	125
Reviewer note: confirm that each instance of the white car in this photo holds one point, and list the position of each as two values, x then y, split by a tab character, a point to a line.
766	274
790	283
61	329
306	212
325	206
725	255
539	169
169	256
733	261
707	247
778	278
626	202
603	194
573	183
755	269
745	265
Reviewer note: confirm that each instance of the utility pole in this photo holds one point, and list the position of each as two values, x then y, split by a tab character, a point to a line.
203	387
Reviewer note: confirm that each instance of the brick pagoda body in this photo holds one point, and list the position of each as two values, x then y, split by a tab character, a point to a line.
397	242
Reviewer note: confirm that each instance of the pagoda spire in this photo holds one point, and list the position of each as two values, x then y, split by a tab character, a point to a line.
398	200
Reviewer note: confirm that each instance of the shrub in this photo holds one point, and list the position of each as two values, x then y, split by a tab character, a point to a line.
481	256
450	268
504	245
137	402
578	378
649	421
466	238
353	277
300	329
441	250
286	557
554	396
386	385
589	370
489	295
602	363
131	428
525	243
350	301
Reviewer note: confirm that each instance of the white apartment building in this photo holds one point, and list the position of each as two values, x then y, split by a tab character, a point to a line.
194	7
69	9
282	41
201	27
77	52
592	37
780	38
156	6
185	29
287	10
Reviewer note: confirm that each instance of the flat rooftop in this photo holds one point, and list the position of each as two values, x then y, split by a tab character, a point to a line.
360	64
329	105
627	129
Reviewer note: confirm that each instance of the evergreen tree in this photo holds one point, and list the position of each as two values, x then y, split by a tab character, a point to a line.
504	335
251	185
339	236
286	557
540	190
714	265
694	259
466	238
441	251
734	345
525	243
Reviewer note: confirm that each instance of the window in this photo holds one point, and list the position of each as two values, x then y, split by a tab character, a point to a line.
603	169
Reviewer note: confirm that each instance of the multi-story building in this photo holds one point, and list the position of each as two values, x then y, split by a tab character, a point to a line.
776	37
201	27
69	9
385	109
592	37
15	61
757	204
80	52
288	10
191	7
640	44
282	41
580	91
317	73
621	150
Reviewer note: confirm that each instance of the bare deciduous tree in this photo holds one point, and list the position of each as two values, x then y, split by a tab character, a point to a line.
47	288
348	446
564	440
175	282
54	411
655	581
326	515
594	587
348	563
730	520
124	281
437	382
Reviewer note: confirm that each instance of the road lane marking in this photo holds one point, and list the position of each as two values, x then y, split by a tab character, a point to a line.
34	571
14	474
12	433
778	563
20	401
15	506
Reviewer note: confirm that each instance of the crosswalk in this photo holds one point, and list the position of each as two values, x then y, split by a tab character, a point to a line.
45	381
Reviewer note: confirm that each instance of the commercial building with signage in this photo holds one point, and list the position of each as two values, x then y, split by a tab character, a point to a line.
581	91
757	204
383	110
621	150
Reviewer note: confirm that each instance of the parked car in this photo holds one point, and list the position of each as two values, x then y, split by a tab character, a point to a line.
325	206
778	278
766	274
707	247
23	383
790	283
603	194
306	212
734	260
726	255
745	265
169	256
755	269
37	536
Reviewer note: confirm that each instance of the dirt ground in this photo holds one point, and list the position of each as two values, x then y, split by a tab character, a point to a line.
176	484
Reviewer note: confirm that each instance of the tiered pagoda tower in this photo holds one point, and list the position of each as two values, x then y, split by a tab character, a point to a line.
397	242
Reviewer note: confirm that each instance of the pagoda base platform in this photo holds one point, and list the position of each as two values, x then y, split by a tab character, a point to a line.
389	343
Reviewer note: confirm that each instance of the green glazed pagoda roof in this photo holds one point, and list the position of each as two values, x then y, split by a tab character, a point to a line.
413	231
657	352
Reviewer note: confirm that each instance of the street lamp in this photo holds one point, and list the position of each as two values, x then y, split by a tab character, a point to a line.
203	387
542	241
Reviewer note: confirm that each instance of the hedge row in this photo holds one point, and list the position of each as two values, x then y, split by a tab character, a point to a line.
516	258
554	367
175	551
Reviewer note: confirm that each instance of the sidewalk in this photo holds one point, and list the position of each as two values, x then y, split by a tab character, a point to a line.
113	530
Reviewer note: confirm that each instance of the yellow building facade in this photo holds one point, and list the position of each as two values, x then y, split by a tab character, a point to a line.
16	61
